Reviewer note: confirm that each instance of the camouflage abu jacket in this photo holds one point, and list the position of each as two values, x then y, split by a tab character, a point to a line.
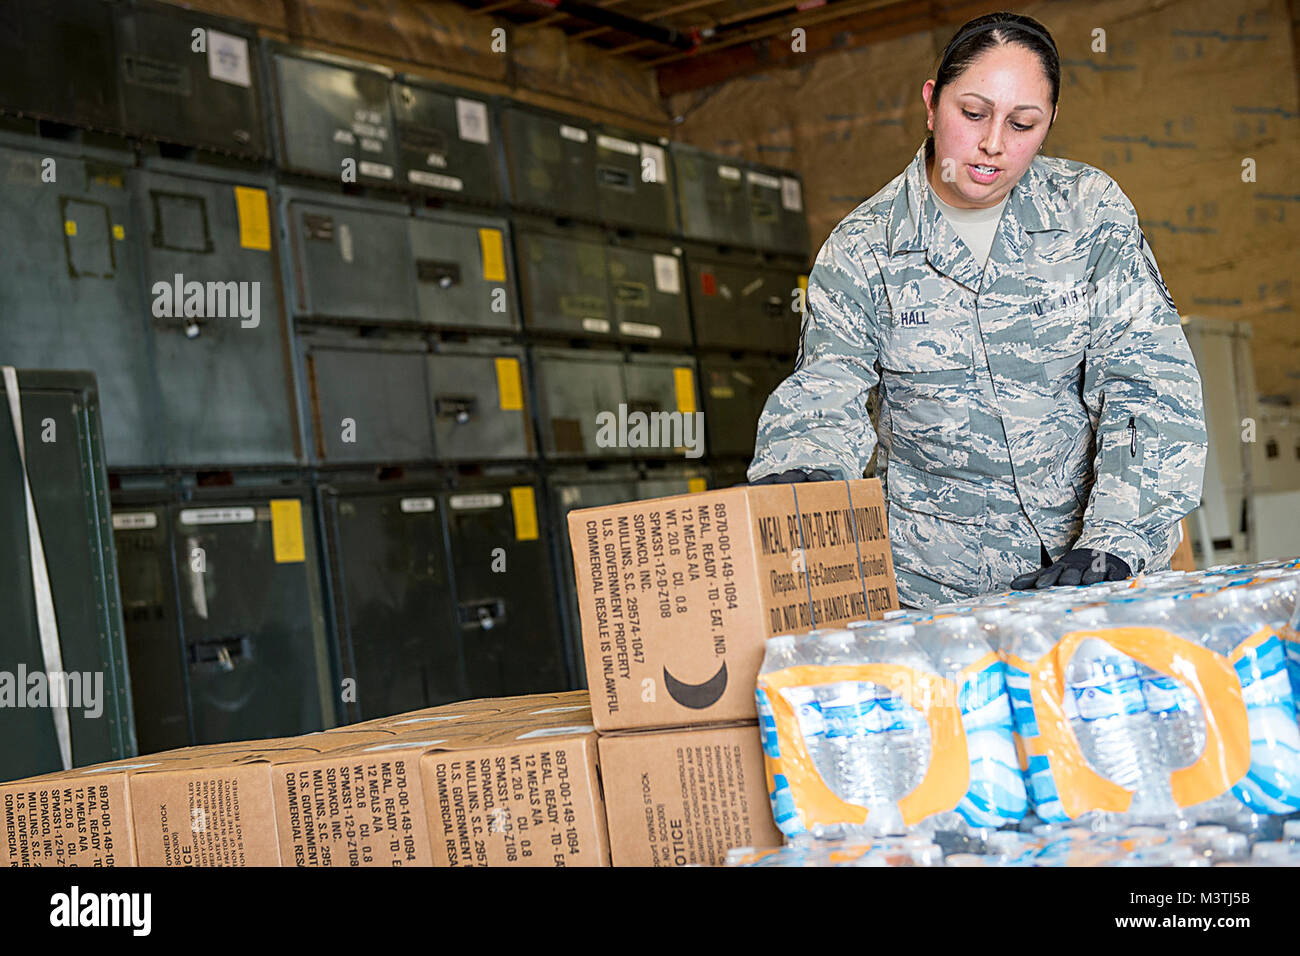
1050	398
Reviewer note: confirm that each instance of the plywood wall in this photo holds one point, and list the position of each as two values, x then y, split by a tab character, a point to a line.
1185	92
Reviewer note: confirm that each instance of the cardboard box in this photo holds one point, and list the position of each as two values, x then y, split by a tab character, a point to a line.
83	816
78	817
383	804
216	808
522	799
674	797
678	595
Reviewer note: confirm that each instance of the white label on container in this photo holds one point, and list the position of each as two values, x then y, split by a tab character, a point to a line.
557	732
729	172
471	120
436	180
217	515
641	329
668	274
345	242
410	505
791	194
375	170
228	58
573	133
559	710
344	136
134	520
489	500
616	145
405	744
595	325
763	179
654	160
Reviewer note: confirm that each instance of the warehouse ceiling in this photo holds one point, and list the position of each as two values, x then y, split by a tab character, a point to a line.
697	43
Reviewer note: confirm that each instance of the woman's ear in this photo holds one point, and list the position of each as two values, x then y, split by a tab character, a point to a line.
927	91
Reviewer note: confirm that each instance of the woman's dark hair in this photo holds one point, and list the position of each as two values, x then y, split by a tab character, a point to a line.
984	33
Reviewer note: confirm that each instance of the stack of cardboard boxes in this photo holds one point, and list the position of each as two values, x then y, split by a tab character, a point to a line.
660	766
677	597
510	781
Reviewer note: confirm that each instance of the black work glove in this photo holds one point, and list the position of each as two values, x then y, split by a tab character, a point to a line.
1076	566
794	475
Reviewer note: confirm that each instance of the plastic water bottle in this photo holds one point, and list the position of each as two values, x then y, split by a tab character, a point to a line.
1226	619
904	729
788	651
961	653
1114	730
857	750
1173	706
1228	847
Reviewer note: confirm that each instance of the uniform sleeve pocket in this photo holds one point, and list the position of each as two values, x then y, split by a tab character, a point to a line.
1128	473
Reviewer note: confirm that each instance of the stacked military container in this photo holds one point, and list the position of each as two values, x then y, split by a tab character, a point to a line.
362	340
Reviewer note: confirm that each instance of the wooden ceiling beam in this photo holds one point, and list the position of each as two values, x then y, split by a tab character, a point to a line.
832	30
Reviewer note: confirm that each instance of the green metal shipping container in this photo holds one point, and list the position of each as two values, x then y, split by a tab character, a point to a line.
65	466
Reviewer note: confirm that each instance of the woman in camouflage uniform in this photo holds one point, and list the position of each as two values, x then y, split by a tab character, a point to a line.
1040	411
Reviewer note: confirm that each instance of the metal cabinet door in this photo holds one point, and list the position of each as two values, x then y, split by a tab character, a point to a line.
393	608
719	293
150	618
734	394
256	651
664	383
225	379
211	98
464	271
369	401
551	160
739	302
56	62
633	185
573	387
505	601
71	295
446	141
480	403
351	259
563	276
60	417
646	293
332	110
711	197
777	219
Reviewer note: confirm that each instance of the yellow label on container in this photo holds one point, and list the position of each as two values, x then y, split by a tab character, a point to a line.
69	227
510	388
254	218
525	507
696	484
684	380
286	531
118	231
494	255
